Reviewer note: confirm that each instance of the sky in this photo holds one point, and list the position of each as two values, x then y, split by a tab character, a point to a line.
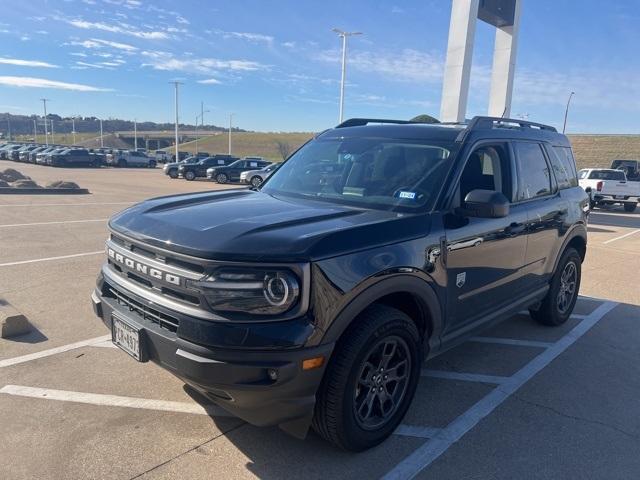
276	64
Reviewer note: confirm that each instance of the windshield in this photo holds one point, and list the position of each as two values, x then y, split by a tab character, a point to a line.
371	172
607	175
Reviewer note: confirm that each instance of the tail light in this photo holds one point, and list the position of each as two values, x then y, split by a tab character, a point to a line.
599	186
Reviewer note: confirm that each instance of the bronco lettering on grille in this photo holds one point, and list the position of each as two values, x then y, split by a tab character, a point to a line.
143	269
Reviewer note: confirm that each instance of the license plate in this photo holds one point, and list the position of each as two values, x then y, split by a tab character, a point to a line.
126	337
619	197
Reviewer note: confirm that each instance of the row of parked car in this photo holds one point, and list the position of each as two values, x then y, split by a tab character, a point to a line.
68	156
619	184
222	169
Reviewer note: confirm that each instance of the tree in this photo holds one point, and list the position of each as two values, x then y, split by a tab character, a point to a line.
284	149
424	118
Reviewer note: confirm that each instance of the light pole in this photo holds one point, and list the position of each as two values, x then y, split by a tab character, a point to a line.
175	84
201	117
566	111
101	138
9	126
73	129
344	36
135	134
35	132
46	132
53	136
230	122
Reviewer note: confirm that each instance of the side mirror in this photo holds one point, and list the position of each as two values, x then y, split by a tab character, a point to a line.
485	204
588	190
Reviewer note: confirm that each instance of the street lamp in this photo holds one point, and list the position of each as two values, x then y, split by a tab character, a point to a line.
566	111
46	132
230	121
101	138
344	36
201	116
176	84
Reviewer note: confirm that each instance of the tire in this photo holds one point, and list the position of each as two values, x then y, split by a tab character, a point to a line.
152	164
256	181
342	399
222	178
592	204
630	207
122	163
190	175
555	311
173	173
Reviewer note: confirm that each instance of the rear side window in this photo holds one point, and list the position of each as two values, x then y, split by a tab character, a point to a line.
565	170
534	179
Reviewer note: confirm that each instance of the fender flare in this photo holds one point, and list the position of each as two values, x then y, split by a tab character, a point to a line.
396	283
579	230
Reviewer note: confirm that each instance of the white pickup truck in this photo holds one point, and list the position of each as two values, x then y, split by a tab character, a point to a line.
130	158
607	187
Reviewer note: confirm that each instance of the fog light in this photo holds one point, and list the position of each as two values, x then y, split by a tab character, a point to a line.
273	374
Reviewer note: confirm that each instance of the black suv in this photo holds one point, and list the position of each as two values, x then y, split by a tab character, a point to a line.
231	172
198	169
314	299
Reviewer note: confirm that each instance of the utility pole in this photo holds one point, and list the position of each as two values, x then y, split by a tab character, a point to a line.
35	131
230	121
53	137
566	111
342	34
175	84
101	138
135	134
46	132
201	116
9	126
73	129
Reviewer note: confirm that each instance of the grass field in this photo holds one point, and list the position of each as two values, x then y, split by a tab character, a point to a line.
599	150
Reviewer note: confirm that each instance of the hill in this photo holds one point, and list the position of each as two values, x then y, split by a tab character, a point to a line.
599	150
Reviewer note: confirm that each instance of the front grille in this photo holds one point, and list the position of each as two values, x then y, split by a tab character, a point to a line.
145	312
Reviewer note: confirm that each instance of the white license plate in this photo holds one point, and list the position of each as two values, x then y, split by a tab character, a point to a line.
619	197
126	337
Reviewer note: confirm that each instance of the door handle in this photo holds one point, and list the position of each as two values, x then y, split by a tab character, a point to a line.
515	228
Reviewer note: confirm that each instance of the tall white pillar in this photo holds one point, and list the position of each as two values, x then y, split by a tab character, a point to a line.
457	70
504	66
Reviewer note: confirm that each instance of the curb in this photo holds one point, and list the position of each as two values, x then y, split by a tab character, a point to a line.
43	191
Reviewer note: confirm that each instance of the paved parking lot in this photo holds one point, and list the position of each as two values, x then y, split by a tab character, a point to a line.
521	401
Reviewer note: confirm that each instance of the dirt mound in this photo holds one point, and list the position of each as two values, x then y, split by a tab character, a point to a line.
63	184
25	183
11	175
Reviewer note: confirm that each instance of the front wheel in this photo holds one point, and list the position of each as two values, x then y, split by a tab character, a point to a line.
557	305
173	173
256	181
190	175
370	380
630	207
222	178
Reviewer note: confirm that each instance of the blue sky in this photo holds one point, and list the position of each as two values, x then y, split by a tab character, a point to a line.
276	64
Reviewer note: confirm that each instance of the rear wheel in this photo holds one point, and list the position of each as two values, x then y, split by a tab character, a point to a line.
630	207
222	178
370	380
256	181
557	305
190	175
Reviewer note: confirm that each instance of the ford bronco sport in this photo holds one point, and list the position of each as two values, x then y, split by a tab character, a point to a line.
313	300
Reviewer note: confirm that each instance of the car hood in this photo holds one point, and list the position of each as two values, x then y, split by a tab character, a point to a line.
246	225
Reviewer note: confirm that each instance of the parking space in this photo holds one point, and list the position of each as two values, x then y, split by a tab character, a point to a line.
519	401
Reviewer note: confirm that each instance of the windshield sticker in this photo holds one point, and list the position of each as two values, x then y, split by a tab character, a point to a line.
407	195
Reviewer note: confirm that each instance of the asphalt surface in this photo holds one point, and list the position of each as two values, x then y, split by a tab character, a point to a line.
521	401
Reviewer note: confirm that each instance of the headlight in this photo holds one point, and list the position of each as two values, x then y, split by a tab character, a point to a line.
253	291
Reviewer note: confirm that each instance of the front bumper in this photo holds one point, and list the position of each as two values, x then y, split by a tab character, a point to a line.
238	379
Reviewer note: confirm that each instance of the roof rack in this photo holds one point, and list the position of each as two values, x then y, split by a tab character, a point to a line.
359	122
488	123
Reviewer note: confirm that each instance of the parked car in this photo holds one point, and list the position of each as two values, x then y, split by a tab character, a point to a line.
72	157
631	168
191	171
15	153
314	300
181	156
171	169
203	155
257	177
130	158
30	157
44	157
609	187
231	172
162	156
23	154
6	152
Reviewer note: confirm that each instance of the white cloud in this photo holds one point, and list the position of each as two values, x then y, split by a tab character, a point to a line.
210	81
289	44
120	46
79	54
120	28
26	63
32	82
100	65
166	61
251	37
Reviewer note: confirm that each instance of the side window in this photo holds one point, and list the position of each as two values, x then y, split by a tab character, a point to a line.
568	164
583	174
534	179
487	168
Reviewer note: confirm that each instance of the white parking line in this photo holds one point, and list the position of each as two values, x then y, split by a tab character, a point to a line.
65	204
621	237
440	443
113	400
53	351
511	341
416	431
106	344
466	377
48	259
53	223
